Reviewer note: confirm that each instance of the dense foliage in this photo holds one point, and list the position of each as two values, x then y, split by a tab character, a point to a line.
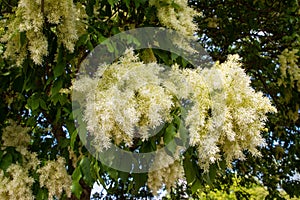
266	35
44	43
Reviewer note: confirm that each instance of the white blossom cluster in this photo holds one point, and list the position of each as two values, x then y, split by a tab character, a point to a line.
168	174
25	30
225	115
124	102
17	183
238	113
176	15
55	178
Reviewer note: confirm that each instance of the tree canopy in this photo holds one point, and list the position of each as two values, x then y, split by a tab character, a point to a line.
222	129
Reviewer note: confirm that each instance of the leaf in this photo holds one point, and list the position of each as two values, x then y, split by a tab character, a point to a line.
59	69
22	38
195	186
127	2
174	56
43	104
33	102
76	189
171	148
139	181
57	85
189	170
112	2
73	138
42	194
76	176
169	133
6	161
85	166
82	39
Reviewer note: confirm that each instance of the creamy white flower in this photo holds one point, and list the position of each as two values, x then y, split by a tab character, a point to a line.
55	178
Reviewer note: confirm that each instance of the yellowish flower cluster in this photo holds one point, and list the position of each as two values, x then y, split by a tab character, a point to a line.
167	174
225	114
125	102
55	178
15	135
238	114
29	21
177	15
212	22
289	67
17	183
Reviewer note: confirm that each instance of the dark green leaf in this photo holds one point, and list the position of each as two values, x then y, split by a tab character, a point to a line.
59	69
6	161
85	166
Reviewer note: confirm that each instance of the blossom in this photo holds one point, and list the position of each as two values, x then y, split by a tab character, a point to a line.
238	114
17	185
224	114
25	29
15	135
164	170
124	102
177	15
55	178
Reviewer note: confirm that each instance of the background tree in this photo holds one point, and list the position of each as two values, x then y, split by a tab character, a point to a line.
266	35
43	44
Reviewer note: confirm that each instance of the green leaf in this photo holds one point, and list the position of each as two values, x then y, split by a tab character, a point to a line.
42	194
57	85
85	166
169	134
59	69
139	180
189	170
127	2
73	138
6	161
22	38
82	39
196	186
76	189
171	148
76	176
33	102
112	2
174	56
43	104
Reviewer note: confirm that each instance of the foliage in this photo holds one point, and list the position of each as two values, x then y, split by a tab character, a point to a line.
44	43
266	35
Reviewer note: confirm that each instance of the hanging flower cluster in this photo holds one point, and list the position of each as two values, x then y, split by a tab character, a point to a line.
124	102
25	30
55	178
16	182
225	115
168	174
289	67
176	15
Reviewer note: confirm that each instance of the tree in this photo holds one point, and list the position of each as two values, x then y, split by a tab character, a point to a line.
266	35
48	132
